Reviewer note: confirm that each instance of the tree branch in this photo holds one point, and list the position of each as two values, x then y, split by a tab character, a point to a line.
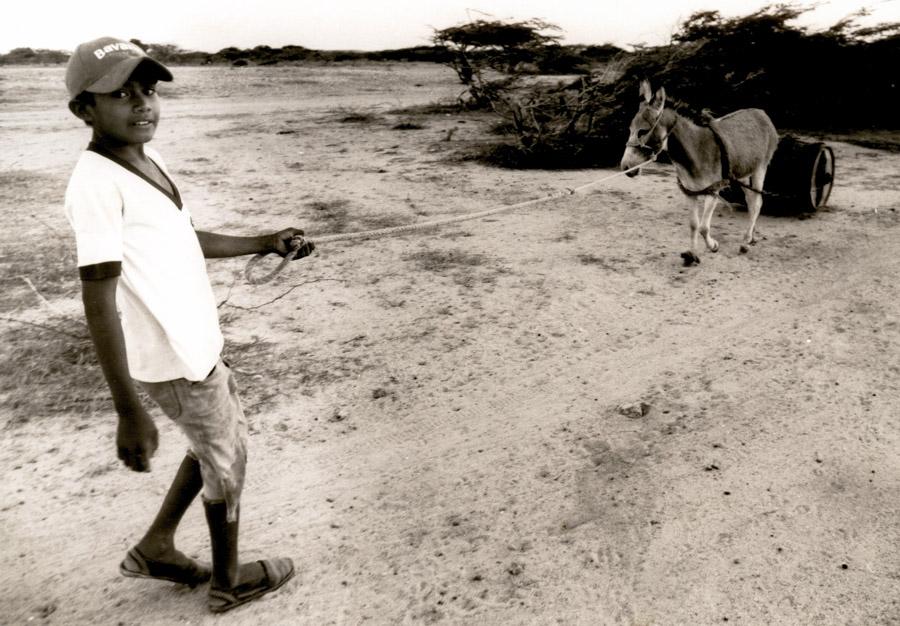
279	297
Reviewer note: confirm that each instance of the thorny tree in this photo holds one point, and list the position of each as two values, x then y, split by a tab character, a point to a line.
489	56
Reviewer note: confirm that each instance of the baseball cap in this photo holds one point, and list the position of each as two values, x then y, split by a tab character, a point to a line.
103	65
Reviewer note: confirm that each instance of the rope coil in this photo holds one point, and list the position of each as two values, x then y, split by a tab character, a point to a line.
297	244
393	230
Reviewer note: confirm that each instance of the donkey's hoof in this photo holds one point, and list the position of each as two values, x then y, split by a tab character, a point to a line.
689	258
745	248
714	247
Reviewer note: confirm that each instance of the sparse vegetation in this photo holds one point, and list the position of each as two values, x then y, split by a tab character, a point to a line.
438	261
387	220
489	57
829	80
358	117
258	55
464	268
437	108
333	213
265	374
29	56
407	126
606	263
49	370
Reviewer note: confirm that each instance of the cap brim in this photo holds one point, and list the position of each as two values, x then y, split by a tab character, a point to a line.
120	74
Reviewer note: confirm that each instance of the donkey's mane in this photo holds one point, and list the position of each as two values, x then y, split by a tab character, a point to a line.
687	110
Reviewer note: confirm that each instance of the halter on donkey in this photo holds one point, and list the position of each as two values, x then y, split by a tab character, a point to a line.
735	148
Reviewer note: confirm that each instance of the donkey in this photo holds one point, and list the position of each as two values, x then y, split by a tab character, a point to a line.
734	148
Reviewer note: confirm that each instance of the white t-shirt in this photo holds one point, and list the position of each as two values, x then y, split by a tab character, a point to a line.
166	304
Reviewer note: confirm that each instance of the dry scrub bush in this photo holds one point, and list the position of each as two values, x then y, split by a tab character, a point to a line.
826	80
559	126
490	57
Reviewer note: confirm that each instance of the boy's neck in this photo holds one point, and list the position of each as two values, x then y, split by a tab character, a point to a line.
131	152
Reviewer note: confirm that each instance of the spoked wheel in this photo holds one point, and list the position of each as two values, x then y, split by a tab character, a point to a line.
822	177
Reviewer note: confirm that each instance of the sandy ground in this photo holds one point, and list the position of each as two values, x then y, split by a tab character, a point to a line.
437	425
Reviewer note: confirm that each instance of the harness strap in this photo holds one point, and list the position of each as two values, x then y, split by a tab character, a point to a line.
712	189
726	162
727	178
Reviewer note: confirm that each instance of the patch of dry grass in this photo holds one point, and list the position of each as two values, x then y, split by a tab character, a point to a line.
333	213
464	268
607	263
358	117
407	126
436	108
250	361
52	272
21	189
50	371
266	375
441	261
376	222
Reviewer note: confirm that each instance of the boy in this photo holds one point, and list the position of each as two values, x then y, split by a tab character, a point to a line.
138	253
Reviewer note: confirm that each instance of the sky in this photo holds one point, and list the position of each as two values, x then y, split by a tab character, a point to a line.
210	25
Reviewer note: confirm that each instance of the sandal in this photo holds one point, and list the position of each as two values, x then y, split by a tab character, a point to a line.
276	572
136	565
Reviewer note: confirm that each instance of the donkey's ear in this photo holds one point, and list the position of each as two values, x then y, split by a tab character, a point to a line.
646	91
659	99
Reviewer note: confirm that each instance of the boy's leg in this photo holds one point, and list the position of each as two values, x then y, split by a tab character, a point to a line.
159	541
155	555
210	415
232	583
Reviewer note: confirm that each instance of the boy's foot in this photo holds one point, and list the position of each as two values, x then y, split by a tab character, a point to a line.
181	569
255	580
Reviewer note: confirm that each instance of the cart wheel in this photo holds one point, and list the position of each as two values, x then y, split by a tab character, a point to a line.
822	179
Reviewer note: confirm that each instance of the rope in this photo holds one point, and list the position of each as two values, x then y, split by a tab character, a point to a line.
298	243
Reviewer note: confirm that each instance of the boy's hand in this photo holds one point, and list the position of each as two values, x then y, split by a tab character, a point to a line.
285	241
136	439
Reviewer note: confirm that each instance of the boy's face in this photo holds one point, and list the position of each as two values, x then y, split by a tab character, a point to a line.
126	116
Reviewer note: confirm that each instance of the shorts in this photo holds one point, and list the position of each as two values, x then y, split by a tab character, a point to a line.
209	413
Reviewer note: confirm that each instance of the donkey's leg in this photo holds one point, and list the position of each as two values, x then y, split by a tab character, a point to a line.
754	205
709	207
690	257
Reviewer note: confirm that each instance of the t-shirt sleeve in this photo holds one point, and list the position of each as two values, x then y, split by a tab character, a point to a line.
94	209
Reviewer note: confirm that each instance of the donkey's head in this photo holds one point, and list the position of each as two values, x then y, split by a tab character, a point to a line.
646	135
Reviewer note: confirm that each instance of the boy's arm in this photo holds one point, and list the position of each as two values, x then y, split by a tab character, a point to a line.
136	436
216	246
